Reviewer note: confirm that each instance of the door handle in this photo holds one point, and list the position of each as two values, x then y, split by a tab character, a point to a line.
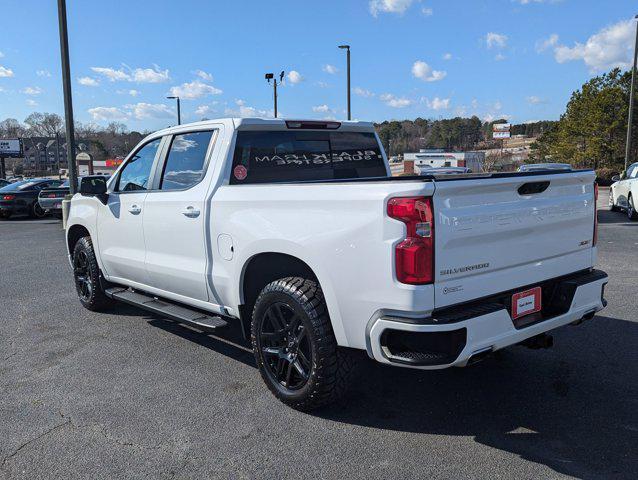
191	212
134	209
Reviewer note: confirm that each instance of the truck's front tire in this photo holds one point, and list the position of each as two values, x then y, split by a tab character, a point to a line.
294	345
86	274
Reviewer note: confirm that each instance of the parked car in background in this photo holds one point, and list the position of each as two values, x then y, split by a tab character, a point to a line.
4	183
623	193
21	198
295	231
50	199
539	167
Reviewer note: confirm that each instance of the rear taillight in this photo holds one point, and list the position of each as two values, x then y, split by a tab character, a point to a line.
595	241
8	197
414	256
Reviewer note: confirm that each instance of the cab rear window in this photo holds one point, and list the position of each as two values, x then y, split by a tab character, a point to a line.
297	156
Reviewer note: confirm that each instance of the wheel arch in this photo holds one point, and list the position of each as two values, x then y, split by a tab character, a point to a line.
264	267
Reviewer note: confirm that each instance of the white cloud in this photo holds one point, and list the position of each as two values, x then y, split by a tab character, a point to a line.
535	100
438	103
139	75
529	2
322	84
202	110
546	43
194	89
362	92
112	74
5	72
427	11
1	54
321	108
133	92
107	113
294	77
331	69
496	40
204	75
499	57
150	110
447	56
88	81
150	75
31	90
389	6
31	102
244	110
43	73
395	102
423	71
609	48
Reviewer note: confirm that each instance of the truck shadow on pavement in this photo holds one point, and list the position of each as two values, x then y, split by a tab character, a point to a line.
572	408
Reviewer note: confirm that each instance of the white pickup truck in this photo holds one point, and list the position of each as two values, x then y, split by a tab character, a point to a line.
295	230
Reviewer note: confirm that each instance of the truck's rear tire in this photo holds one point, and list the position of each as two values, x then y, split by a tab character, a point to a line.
294	345
86	274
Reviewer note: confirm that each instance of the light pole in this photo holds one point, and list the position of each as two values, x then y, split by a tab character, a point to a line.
68	101
347	48
631	102
179	114
269	77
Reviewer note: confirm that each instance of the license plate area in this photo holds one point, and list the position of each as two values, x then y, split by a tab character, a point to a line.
525	305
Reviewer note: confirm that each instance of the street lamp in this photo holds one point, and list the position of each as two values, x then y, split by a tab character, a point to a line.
347	48
68	102
179	114
631	102
271	76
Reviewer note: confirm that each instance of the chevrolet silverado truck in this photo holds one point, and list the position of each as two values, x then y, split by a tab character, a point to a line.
296	232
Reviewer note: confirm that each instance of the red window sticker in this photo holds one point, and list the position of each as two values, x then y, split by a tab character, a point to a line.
240	172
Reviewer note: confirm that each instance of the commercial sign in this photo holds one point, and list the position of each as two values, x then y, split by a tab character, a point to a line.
11	148
501	130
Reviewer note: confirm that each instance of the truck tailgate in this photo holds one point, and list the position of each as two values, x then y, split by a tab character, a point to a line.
497	234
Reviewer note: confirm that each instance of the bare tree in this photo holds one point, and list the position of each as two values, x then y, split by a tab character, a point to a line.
44	124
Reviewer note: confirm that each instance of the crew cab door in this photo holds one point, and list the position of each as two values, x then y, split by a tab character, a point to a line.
175	217
119	222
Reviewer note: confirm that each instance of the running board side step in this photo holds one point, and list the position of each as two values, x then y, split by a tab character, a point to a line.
165	308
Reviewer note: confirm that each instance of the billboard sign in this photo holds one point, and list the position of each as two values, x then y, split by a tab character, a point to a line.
11	148
501	130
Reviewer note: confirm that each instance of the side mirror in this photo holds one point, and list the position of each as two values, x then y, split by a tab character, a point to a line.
94	187
615	178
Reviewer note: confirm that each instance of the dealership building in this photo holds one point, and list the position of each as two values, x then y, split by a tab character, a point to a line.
440	158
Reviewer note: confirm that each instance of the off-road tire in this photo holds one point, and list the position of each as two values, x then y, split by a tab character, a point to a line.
84	258
331	366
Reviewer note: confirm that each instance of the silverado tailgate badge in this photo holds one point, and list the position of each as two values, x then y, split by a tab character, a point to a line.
467	268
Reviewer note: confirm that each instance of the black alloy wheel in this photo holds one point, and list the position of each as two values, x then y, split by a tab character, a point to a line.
285	346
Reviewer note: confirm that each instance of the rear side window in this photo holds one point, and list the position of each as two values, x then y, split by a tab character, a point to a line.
294	156
136	172
185	162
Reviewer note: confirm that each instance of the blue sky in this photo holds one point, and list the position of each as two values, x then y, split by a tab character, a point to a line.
430	58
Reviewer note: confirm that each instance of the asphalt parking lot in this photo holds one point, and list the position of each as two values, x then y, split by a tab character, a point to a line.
130	395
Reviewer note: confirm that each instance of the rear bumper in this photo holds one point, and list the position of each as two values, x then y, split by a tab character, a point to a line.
452	337
51	204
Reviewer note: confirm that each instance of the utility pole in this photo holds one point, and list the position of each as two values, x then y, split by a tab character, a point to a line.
631	103
269	77
347	48
68	101
179	113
